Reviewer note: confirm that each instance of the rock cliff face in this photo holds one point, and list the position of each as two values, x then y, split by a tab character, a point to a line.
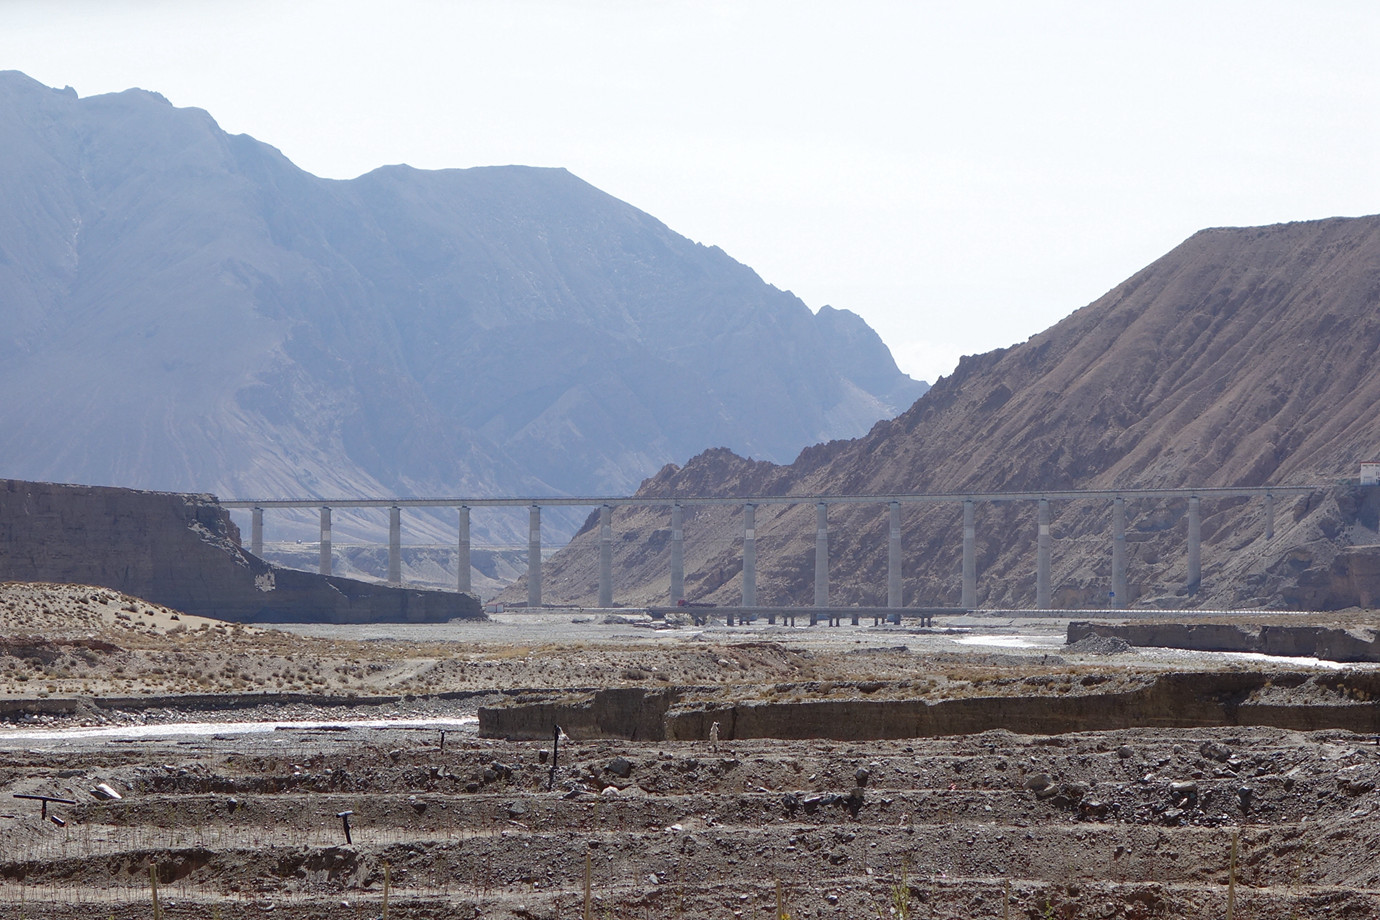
1245	357
183	551
184	309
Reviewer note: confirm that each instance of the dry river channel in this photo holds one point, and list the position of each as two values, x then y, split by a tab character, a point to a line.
245	812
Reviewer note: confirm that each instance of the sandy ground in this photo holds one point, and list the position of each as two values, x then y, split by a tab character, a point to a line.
234	750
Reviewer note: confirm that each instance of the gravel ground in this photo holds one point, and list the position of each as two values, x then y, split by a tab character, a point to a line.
1115	825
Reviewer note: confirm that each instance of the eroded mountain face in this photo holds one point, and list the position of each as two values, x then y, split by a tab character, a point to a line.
187	310
1243	357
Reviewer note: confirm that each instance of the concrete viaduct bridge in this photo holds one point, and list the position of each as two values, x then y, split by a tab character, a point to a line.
969	501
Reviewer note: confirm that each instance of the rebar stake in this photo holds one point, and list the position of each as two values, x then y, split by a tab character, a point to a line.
555	756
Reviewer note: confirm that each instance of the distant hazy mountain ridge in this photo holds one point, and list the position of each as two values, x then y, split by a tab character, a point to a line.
187	310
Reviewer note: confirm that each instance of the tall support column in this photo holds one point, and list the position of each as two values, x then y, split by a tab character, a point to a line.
893	558
605	556
325	563
534	556
395	545
749	556
1269	516
821	555
677	555
969	555
462	557
256	531
1195	545
1118	598
1043	599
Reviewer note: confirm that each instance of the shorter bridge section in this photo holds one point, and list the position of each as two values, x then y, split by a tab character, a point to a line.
606	506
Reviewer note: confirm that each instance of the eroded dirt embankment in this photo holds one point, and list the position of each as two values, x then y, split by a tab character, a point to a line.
1325	642
1047	704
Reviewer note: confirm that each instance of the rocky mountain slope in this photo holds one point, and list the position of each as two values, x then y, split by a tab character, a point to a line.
1243	357
187	310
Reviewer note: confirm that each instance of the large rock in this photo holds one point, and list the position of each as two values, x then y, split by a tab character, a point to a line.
183	551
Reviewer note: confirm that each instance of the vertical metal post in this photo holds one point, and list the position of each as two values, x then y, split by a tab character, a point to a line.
969	600
893	558
256	531
1043	600
749	556
1195	544
534	556
677	555
1269	516
555	756
463	584
395	545
821	555
1118	598
605	556
344	817
325	563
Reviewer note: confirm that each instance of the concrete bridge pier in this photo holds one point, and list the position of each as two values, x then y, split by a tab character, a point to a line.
256	531
395	545
1195	545
1118	598
462	560
324	565
1269	516
893	558
534	556
677	555
749	556
969	600
821	555
1043	599
605	556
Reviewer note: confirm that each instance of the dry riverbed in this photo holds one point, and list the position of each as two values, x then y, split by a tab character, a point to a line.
241	820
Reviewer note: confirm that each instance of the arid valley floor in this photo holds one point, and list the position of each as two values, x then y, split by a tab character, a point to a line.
1274	813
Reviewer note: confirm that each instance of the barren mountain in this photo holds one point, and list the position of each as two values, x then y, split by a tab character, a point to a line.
1243	357
187	310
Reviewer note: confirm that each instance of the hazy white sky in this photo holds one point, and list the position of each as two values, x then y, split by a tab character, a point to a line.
962	175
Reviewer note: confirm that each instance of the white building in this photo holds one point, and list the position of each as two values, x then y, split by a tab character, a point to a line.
1370	472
